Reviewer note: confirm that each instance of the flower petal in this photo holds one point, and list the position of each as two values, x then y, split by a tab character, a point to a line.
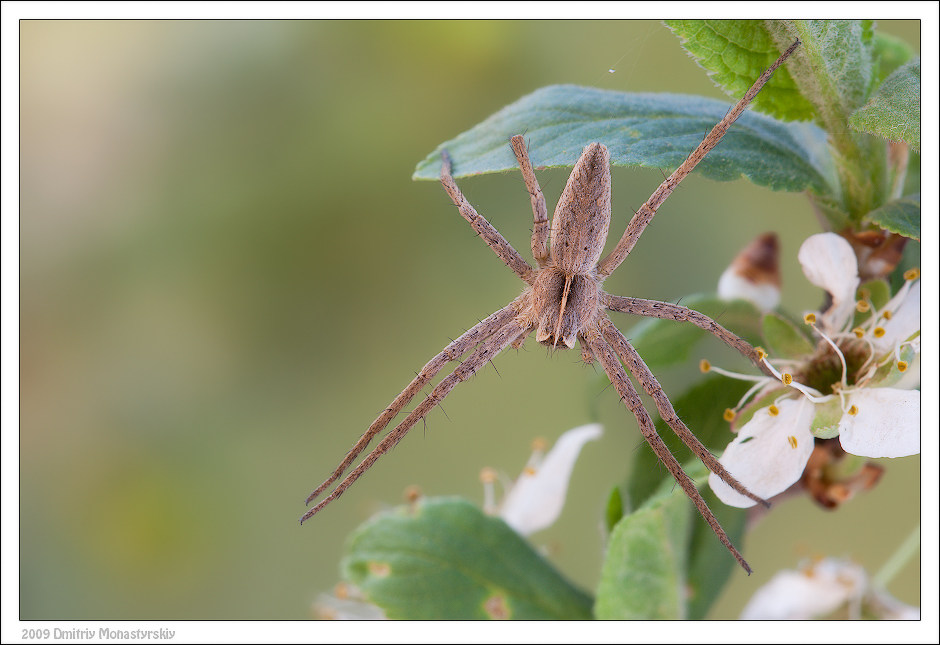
829	263
905	321
887	423
536	499
801	595
769	453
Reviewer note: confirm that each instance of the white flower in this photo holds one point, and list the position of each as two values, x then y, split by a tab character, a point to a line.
536	498
843	386
819	589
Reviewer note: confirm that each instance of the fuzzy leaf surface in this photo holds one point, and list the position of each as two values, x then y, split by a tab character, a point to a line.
648	130
443	559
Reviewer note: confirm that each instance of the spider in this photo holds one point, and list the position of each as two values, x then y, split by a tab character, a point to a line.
563	303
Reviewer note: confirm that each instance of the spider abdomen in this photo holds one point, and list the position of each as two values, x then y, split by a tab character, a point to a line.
582	216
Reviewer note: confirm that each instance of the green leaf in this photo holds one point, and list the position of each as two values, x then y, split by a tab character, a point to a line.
735	53
784	339
663	342
889	374
877	292
643	576
443	559
710	564
650	130
893	113
614	509
825	424
701	408
833	68
902	216
890	53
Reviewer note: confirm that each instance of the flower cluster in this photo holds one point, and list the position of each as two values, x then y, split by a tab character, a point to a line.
854	383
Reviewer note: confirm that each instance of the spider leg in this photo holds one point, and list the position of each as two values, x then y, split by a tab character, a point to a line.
472	337
628	394
645	215
539	210
497	342
484	229
631	358
657	309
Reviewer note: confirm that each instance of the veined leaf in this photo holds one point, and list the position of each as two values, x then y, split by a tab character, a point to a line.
734	53
443	559
893	113
644	574
833	67
902	216
650	130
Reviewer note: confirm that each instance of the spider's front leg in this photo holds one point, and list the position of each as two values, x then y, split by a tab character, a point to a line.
648	210
667	310
618	377
539	210
481	225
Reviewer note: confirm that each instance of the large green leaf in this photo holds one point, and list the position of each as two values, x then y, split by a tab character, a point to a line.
663	342
443	559
734	53
658	547
651	130
644	573
893	113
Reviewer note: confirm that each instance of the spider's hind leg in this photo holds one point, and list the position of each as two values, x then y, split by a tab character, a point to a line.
631	358
628	394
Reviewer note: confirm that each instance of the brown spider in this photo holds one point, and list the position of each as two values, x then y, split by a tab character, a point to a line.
563	302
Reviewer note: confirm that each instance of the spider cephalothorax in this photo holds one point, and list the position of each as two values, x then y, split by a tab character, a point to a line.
563	303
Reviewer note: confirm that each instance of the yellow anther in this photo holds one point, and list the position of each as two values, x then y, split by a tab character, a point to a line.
887	315
787	378
809	319
853	410
529	470
488	476
704	365
539	444
773	410
902	366
413	494
729	415
859	332
878	332
761	354
861	306
912	274
792	441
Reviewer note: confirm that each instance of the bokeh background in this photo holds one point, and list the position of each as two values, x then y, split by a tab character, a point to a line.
227	273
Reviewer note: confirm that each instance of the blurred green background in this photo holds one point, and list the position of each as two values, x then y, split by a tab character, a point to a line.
227	273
